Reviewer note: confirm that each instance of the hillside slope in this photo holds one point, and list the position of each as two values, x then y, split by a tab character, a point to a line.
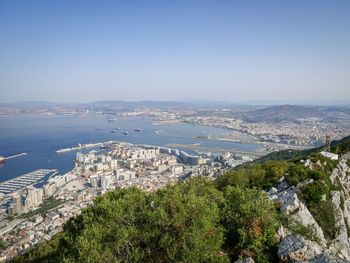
294	210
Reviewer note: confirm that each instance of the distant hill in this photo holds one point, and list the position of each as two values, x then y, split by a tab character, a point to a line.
338	146
296	112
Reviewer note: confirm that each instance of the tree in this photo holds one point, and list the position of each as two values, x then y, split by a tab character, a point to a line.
250	221
179	223
296	173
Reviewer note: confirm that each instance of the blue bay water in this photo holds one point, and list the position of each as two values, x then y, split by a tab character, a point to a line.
40	136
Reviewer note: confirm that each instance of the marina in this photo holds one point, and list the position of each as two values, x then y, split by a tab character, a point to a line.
25	180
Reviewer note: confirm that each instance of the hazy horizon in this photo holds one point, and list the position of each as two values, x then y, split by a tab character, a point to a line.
197	102
86	51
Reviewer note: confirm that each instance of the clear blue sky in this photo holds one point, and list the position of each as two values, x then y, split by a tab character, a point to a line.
174	50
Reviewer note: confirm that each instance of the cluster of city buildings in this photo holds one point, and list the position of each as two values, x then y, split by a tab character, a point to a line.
20	203
306	132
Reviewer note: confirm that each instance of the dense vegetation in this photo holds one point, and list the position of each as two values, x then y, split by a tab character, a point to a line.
339	146
315	195
259	175
185	222
197	220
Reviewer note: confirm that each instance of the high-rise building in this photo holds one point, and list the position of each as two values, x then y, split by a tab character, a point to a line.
16	206
49	189
94	180
106	181
34	197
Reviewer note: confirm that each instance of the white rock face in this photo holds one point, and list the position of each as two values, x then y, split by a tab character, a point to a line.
291	205
340	177
294	248
308	163
327	258
282	232
339	245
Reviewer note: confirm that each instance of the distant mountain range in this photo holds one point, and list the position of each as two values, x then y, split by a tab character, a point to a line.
248	113
296	112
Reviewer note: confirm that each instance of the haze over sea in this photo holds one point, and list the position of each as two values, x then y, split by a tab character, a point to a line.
40	136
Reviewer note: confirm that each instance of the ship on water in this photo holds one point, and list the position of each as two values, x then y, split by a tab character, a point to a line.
111	118
115	130
3	159
137	130
125	133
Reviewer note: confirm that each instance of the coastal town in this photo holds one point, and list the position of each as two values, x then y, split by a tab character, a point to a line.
35	206
31	215
292	127
305	133
174	131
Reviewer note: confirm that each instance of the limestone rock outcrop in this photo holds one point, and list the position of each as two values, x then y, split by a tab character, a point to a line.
292	206
296	248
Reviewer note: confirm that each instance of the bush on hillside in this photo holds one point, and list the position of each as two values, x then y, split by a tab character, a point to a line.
262	176
186	222
250	221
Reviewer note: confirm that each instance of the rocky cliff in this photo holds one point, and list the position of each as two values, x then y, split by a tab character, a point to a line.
297	248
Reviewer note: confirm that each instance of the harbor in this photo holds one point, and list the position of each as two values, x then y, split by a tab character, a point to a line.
43	151
25	180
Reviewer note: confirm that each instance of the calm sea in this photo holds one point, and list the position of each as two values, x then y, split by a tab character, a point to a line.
40	136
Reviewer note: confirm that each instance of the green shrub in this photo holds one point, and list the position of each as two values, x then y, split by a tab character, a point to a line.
250	221
321	210
178	223
324	216
342	147
312	193
262	176
296	173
